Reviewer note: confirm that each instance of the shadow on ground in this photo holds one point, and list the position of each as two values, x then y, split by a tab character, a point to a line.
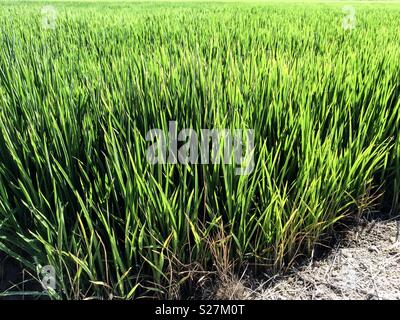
15	282
364	264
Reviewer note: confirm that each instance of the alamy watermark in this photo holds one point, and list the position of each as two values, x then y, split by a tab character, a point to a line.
48	279
349	20
49	17
209	146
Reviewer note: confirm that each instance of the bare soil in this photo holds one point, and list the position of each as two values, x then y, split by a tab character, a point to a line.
363	265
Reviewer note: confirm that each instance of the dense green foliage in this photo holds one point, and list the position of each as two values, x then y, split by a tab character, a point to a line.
77	192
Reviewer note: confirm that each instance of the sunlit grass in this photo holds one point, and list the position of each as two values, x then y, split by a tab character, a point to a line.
77	192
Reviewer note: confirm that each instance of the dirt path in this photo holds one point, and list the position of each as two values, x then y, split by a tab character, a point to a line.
364	265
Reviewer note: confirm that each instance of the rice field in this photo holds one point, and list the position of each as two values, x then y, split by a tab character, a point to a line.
77	99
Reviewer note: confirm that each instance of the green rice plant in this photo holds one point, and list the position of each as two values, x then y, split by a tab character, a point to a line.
76	103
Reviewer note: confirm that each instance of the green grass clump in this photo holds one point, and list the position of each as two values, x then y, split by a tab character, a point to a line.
76	102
